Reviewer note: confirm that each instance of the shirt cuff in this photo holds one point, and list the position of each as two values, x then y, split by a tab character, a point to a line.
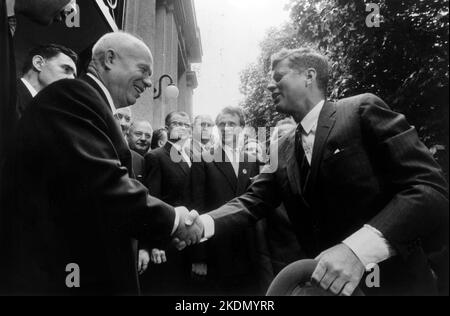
176	223
208	224
370	246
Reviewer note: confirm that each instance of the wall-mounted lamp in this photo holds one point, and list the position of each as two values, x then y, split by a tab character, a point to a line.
171	92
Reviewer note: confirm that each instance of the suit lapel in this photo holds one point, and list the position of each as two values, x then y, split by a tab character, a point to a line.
325	125
224	165
97	88
182	164
244	174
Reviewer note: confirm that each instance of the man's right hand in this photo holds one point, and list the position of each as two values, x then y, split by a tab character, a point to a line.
190	229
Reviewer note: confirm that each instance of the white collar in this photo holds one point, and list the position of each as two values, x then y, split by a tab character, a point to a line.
10	8
105	91
311	119
30	88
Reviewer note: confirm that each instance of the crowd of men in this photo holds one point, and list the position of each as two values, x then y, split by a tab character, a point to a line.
177	211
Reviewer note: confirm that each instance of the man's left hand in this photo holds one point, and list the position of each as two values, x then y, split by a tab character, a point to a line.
339	270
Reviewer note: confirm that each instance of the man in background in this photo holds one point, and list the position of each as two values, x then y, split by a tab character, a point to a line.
140	137
124	116
159	138
167	178
43	12
228	265
202	134
44	65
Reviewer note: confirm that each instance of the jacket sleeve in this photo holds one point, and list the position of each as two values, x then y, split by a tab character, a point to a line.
79	126
419	204
263	196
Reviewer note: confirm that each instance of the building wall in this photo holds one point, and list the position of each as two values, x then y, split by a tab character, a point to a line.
154	21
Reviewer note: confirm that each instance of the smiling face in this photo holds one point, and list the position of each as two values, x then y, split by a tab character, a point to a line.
288	88
130	69
53	69
140	137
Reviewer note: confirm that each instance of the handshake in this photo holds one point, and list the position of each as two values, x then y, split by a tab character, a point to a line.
190	229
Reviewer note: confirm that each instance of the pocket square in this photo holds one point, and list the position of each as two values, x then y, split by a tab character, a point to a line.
337	151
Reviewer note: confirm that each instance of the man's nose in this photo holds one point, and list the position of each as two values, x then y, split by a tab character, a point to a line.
148	82
272	86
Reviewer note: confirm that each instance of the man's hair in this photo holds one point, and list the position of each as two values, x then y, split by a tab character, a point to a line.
201	117
133	125
172	114
157	135
232	110
104	43
47	51
302	59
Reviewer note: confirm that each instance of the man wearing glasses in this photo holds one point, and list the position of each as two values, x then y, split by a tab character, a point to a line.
167	171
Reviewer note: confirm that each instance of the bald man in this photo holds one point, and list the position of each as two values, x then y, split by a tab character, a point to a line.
74	209
123	116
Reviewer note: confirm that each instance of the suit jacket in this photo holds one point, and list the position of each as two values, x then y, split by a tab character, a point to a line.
8	85
166	177
138	165
24	98
368	167
231	259
72	199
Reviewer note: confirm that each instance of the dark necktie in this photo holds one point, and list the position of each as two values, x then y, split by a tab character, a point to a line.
12	21
302	160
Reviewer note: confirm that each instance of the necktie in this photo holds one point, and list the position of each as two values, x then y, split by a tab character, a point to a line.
302	160
12	21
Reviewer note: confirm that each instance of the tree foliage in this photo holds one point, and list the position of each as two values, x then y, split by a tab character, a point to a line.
404	61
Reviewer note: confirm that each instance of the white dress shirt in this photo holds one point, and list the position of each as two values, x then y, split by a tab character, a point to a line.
184	156
368	244
30	88
234	156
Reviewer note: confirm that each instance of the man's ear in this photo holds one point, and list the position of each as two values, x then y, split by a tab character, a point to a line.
38	62
110	58
311	75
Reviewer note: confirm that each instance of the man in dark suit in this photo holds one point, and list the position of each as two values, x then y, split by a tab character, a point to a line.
44	65
227	264
359	186
41	11
71	199
167	178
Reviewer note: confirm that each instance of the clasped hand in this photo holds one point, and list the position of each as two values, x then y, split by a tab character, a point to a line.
190	228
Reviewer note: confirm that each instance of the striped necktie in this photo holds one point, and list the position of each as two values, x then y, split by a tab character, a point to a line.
12	21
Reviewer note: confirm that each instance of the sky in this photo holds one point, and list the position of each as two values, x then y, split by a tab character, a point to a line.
231	31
